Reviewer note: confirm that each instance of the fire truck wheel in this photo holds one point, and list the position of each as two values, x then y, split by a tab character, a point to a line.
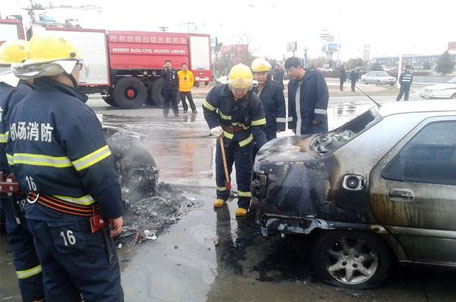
110	101
156	92
130	93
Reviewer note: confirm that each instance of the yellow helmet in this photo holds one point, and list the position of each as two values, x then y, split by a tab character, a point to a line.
13	52
240	77
48	55
260	65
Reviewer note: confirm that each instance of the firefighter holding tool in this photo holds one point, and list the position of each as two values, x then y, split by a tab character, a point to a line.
236	117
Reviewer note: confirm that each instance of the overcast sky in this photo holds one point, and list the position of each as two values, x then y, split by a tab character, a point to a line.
390	27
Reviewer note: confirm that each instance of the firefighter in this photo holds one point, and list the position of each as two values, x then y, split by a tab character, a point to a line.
271	96
234	111
59	155
13	90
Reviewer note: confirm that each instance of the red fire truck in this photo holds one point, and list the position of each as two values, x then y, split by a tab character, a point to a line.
124	66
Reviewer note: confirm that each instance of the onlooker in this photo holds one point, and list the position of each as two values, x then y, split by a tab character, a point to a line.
277	75
353	79
307	99
186	82
405	80
342	77
169	91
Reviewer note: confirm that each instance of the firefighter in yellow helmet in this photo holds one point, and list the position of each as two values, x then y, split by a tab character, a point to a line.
59	155
12	91
271	96
234	112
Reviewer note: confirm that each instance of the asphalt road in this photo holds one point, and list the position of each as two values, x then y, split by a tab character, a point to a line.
211	256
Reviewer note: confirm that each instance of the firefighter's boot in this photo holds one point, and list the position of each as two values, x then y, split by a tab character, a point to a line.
218	203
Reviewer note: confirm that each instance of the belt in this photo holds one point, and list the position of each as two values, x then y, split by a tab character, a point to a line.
232	129
64	206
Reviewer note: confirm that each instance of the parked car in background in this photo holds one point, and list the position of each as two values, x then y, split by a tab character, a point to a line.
440	91
378	78
380	188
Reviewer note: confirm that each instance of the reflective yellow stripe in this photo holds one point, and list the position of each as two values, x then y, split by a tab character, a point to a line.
29	272
92	158
225	117
244	194
259	122
10	159
246	141
240	125
3	137
40	160
228	135
208	106
84	200
221	188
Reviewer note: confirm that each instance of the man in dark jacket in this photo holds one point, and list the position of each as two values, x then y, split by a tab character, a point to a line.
353	79
12	91
60	157
170	86
342	77
307	99
277	75
234	111
405	80
271	96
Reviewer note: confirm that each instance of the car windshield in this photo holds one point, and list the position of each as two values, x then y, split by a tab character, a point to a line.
328	142
452	81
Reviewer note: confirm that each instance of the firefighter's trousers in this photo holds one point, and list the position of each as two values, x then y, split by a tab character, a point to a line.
75	262
242	158
28	268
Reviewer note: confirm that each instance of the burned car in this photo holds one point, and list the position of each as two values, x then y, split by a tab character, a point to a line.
380	188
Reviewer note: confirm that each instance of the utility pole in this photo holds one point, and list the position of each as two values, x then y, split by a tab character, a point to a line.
188	25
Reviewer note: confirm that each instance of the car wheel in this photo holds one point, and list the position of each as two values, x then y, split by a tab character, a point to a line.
392	83
379	83
365	82
351	259
453	96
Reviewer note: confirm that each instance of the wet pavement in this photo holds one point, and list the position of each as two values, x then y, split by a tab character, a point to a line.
208	255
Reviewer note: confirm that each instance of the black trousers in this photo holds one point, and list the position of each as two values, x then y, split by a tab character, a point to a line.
353	83
405	89
342	85
190	101
170	98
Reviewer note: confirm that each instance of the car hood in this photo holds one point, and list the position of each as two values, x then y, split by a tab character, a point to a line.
285	149
442	86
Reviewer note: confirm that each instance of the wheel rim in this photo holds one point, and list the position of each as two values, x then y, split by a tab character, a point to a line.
130	93
351	261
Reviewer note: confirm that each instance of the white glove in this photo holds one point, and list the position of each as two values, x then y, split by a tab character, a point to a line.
217	131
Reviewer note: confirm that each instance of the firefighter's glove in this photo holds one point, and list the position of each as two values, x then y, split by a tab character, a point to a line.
217	131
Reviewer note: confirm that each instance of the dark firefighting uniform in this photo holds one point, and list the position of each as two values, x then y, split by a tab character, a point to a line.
28	268
243	122
56	148
273	101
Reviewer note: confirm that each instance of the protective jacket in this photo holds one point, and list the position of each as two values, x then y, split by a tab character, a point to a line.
220	109
59	149
9	97
311	104
273	101
406	78
170	79
186	80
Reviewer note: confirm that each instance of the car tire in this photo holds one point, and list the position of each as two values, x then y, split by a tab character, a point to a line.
453	96
365	82
392	83
351	259
130	93
378	83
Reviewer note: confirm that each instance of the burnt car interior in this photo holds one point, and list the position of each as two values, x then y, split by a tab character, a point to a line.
335	139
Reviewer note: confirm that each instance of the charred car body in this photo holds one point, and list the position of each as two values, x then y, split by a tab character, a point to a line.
380	187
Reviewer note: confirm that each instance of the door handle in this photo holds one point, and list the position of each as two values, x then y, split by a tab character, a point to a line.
401	195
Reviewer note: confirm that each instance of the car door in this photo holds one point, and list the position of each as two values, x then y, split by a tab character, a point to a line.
413	192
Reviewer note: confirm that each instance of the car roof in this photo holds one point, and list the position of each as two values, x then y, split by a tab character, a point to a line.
417	107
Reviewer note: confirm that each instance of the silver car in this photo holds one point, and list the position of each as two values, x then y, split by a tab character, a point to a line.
379	188
378	78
